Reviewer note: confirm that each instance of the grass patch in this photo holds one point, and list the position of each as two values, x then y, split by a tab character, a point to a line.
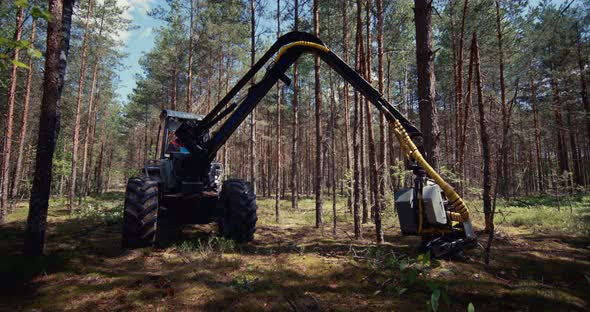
204	247
547	214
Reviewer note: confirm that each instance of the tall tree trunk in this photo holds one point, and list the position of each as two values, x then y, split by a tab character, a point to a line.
24	119
578	178
278	134
504	186
362	71
333	154
465	117
319	181
346	104
295	153
356	124
485	141
7	147
483	132
562	158
382	151
174	91
426	79
461	122
56	56
374	178
537	135
83	188
252	82
583	91
76	137
189	87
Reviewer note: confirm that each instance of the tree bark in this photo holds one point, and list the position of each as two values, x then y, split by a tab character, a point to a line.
483	132
485	142
461	122
535	108
189	88
58	44
76	136
356	124
465	117
504	183
319	181
426	80
350	187
294	154
583	91
562	158
83	188
252	82
382	150
278	152
373	175
24	119
7	147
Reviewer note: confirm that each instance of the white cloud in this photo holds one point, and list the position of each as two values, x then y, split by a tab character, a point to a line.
145	33
133	9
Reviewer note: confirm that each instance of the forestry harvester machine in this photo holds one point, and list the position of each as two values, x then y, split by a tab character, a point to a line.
184	182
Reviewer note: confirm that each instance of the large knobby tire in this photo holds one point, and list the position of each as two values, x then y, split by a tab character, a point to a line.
238	218
140	217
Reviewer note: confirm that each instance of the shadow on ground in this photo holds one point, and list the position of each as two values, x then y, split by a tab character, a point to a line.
287	268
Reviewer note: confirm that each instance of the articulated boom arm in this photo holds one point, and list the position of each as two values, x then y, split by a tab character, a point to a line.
288	49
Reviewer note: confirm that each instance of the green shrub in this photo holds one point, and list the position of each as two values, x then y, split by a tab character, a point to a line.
205	247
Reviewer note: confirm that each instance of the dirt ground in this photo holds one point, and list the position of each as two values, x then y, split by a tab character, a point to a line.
290	266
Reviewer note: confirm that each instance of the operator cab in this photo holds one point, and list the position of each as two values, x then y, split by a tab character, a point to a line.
175	167
169	122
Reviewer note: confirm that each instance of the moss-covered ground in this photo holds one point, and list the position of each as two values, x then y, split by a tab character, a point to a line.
540	262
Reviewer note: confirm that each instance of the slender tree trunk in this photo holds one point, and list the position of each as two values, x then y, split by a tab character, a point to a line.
583	91
504	183
382	150
83	188
346	104
485	142
278	134
426	80
483	131
465	117
333	154
7	147
356	124
295	153
578	178
461	122
373	174
76	137
562	158
362	156
92	134
537	135
252	82
174	91
58	43
24	120
319	181
189	87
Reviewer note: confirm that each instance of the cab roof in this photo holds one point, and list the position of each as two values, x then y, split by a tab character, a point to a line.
168	113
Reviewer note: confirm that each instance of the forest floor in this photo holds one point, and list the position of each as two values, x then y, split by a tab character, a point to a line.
540	262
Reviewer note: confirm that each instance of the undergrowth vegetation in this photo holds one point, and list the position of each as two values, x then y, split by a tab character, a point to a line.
205	247
293	263
569	214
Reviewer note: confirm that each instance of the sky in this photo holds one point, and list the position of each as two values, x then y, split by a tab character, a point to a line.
137	41
141	39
